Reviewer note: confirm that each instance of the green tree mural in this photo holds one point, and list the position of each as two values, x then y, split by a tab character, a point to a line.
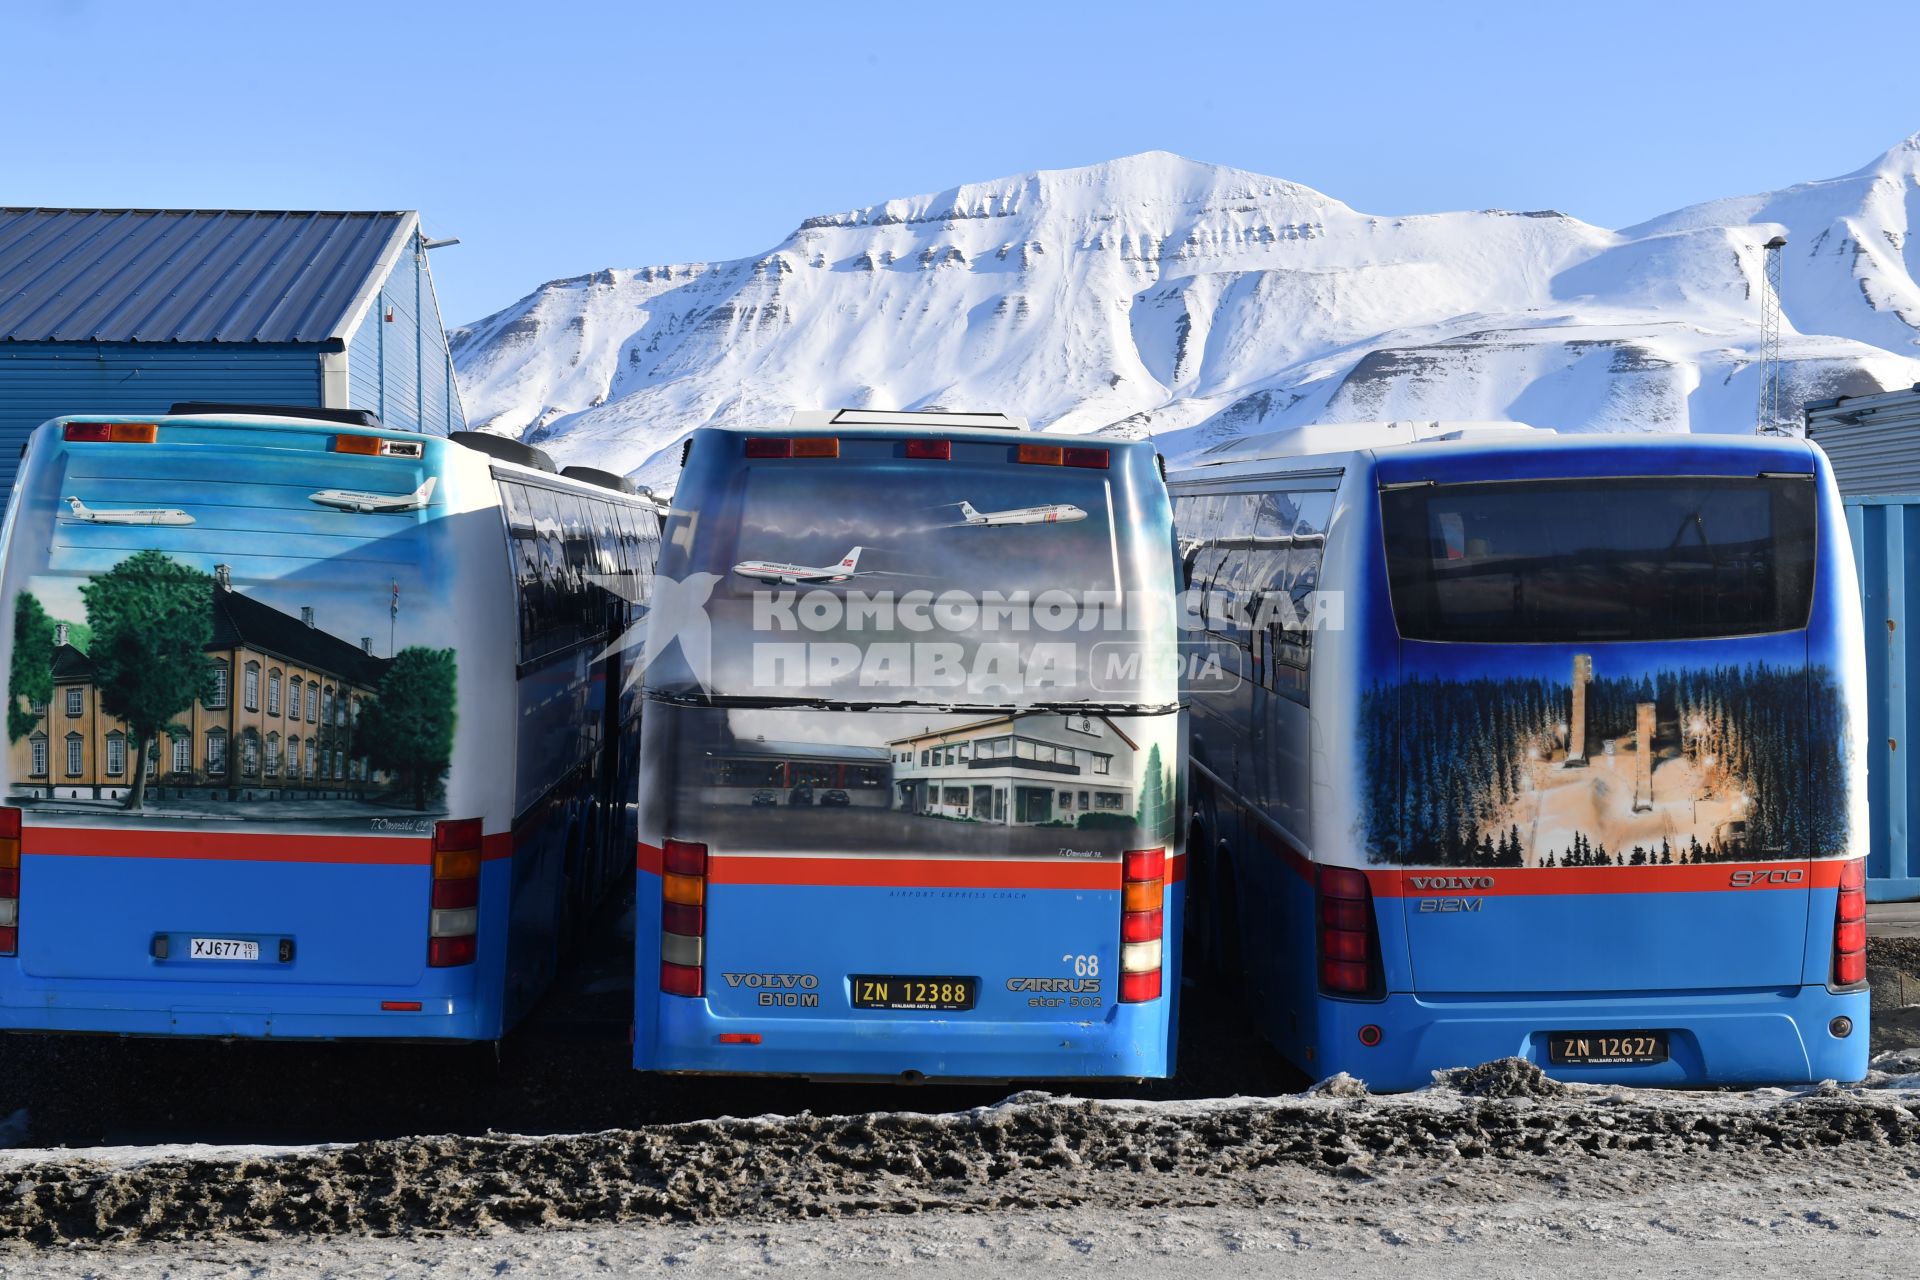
1156	799
31	680
408	726
152	619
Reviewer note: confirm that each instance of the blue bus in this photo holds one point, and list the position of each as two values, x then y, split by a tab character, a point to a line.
316	729
912	756
1545	747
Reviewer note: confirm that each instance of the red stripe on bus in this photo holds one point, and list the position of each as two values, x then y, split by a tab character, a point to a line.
1705	877
226	846
237	846
909	873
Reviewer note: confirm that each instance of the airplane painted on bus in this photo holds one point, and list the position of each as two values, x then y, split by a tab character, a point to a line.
1054	513
778	572
364	502
124	515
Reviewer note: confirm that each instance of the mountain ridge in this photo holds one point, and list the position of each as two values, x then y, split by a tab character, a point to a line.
1156	293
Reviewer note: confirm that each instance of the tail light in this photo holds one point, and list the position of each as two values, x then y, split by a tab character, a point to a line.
9	881
1143	888
1349	941
683	918
1053	455
453	921
111	432
375	447
1850	926
793	447
936	450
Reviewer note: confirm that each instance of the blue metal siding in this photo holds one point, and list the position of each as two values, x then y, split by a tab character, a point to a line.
41	380
1886	549
401	368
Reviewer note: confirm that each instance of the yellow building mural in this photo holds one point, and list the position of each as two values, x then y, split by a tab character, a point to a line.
280	722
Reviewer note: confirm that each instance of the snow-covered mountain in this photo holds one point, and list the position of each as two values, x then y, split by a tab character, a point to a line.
1196	302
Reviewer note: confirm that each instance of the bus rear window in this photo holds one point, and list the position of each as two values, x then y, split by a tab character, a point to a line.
1600	559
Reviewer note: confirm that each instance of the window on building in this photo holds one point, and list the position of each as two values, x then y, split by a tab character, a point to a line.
116	754
250	687
273	755
217	698
326	706
1083	800
1108	800
1066	799
39	755
76	702
310	748
340	706
339	764
217	751
273	692
250	753
1103	764
183	755
76	754
313	703
924	753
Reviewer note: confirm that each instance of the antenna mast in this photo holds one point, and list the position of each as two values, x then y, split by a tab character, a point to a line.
1767	420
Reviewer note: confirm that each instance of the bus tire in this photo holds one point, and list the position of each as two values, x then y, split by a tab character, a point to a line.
1199	926
1229	958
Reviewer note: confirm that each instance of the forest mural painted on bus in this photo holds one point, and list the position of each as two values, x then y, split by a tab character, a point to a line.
1735	762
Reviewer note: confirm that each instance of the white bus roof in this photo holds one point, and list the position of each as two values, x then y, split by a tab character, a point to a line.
1323	438
930	419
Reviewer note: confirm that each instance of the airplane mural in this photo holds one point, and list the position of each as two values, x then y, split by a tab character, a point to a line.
365	502
1052	513
780	573
128	515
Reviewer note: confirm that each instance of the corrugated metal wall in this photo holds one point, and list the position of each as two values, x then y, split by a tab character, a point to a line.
1873	441
1886	550
400	368
41	380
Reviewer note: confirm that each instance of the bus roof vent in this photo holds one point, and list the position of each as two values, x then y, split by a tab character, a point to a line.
934	419
312	413
506	450
605	479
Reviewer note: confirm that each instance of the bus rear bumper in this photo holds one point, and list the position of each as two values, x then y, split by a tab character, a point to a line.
1129	1042
1776	1037
267	1014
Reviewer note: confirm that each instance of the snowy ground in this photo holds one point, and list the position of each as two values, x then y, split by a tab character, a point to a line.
1500	1172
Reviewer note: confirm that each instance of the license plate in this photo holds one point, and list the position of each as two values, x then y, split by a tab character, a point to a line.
222	949
1606	1048
901	991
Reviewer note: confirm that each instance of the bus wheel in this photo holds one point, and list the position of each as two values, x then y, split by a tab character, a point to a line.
1200	955
1228	959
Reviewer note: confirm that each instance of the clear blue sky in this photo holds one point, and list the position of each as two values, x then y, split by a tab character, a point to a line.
556	137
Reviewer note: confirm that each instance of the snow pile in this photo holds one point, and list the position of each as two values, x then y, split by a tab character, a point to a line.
1477	1138
1200	302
